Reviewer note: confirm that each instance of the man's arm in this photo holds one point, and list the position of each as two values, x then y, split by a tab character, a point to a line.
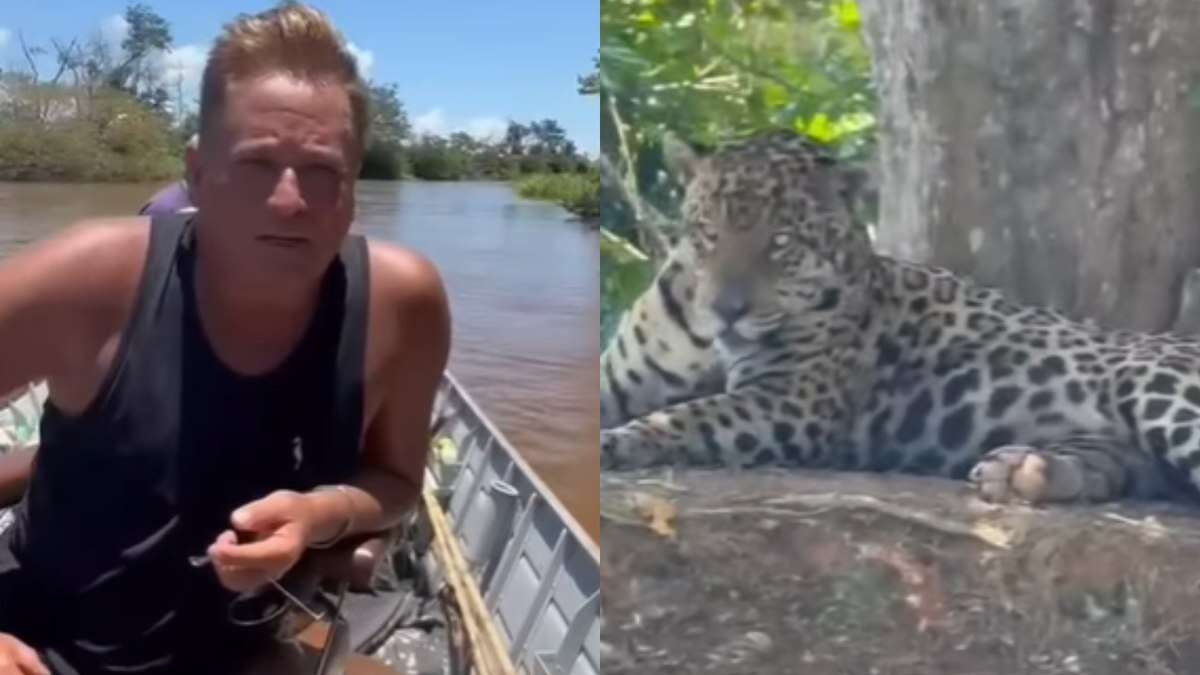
61	298
397	439
409	302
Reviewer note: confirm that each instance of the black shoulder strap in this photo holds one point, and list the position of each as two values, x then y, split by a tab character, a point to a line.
352	345
166	233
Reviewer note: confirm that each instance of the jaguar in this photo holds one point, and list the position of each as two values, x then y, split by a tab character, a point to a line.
775	335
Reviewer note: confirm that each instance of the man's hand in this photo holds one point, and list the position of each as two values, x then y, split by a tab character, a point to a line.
275	533
17	658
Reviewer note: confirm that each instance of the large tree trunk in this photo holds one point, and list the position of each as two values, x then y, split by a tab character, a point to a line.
1047	148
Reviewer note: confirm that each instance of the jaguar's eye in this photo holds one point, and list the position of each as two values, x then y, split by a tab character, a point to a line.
805	289
778	248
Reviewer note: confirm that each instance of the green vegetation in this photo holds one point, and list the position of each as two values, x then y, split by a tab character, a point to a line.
389	128
101	116
579	193
626	271
119	141
731	68
538	147
106	115
716	71
395	151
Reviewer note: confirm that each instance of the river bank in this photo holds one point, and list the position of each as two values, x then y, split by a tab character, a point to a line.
578	193
140	153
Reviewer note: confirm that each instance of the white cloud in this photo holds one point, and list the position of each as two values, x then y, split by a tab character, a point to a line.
365	58
4	35
179	70
113	30
182	67
484	128
432	122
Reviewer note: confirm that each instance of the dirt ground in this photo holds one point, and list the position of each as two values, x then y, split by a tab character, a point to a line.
824	573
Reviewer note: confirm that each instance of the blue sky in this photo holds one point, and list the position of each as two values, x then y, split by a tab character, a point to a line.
459	64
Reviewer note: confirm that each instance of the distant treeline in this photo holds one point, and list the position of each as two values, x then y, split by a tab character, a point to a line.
107	115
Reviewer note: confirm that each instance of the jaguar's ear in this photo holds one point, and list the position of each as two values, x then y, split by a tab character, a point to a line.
858	186
680	157
858	183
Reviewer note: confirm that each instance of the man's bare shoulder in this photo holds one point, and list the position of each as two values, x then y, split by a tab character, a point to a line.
64	296
411	315
408	347
406	280
108	243
96	257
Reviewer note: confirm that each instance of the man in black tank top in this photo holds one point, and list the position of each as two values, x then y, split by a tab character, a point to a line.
248	368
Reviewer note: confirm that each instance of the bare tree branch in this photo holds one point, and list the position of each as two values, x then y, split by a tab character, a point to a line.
28	56
64	58
648	220
751	69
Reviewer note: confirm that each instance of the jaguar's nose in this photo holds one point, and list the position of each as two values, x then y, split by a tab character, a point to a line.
731	304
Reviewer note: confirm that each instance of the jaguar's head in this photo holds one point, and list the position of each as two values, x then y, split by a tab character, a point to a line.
770	227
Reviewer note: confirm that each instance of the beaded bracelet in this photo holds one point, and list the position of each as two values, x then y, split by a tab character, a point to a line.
347	525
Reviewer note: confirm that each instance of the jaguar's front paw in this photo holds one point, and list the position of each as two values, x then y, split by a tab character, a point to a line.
1009	473
620	448
630	447
609	443
1022	473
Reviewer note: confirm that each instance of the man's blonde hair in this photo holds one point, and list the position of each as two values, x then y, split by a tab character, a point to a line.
293	39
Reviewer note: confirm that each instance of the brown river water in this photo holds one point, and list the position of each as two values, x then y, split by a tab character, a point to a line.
524	285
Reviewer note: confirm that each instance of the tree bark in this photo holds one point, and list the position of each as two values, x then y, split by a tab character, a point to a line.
1047	148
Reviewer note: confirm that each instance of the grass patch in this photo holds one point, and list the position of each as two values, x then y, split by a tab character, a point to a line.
579	193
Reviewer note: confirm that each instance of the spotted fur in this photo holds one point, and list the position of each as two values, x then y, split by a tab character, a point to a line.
659	354
831	355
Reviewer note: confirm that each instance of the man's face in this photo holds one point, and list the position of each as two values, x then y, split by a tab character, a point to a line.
274	177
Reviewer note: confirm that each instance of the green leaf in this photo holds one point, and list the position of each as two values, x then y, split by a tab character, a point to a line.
717	70
853	123
625	274
845	13
821	129
646	19
775	96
